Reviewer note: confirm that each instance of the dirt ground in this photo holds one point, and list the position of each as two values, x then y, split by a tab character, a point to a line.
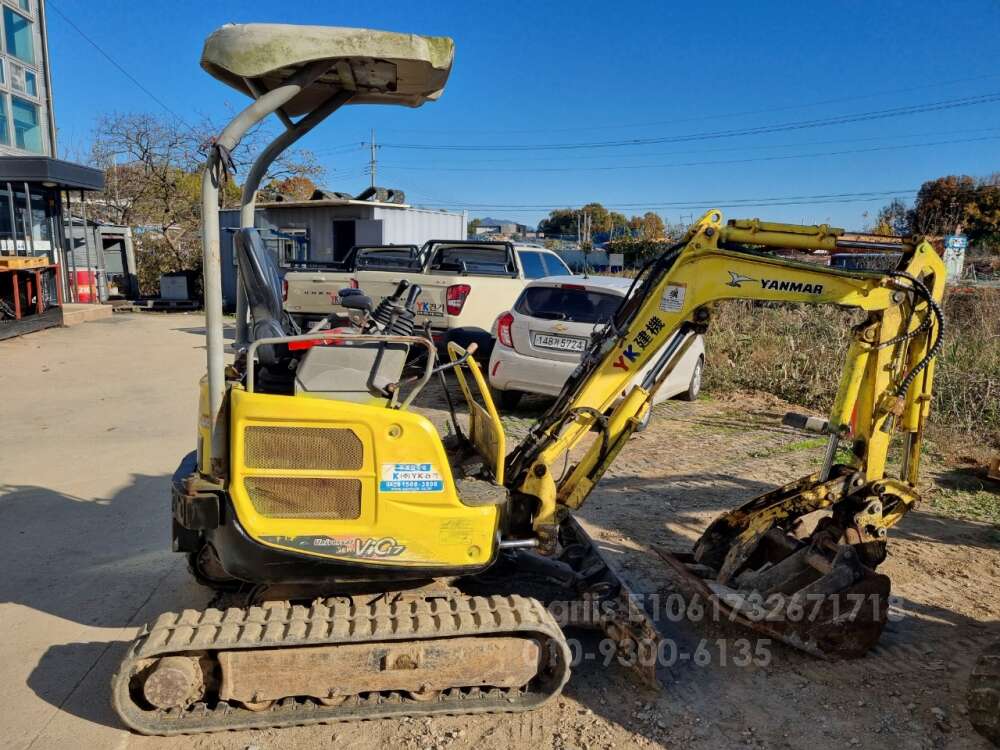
96	418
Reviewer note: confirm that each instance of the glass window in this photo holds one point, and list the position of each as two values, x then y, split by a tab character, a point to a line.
3	75
27	131
41	210
30	84
476	259
17	35
25	5
533	266
7	245
22	221
386	259
554	265
4	126
293	245
17	77
569	302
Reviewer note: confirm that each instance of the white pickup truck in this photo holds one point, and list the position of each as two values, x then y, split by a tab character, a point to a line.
464	284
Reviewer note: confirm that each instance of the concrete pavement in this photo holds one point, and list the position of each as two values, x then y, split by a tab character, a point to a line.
95	419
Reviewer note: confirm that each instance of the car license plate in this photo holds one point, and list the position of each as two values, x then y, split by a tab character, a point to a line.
559	343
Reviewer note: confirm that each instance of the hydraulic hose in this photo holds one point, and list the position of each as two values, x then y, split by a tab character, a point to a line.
935	310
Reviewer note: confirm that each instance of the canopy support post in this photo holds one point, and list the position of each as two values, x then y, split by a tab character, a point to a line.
293	132
212	178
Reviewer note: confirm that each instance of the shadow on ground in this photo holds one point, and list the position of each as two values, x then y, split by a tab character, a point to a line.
98	563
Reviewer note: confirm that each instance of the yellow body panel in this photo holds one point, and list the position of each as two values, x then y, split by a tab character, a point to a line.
410	513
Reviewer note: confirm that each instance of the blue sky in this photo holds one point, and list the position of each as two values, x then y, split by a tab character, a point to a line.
570	73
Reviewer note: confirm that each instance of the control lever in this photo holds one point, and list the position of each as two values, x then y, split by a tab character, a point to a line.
806	422
401	287
411	297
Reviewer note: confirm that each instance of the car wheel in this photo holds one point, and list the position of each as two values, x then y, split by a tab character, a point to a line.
694	387
510	399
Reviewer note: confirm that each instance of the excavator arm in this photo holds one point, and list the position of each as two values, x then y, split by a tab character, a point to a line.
884	391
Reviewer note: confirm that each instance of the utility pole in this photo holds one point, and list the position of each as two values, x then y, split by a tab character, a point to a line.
371	162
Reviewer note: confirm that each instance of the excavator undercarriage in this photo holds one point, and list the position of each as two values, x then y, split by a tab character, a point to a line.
375	569
340	658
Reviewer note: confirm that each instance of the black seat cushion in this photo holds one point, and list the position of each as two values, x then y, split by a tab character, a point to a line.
262	284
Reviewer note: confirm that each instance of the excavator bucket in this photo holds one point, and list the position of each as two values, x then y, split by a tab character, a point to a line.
788	566
824	617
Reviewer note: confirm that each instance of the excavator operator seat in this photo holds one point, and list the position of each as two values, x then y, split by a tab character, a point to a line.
348	372
258	273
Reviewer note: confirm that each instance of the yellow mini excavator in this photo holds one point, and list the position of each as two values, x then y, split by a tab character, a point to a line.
367	546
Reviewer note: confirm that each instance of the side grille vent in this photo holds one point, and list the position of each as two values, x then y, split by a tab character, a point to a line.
305	497
334	448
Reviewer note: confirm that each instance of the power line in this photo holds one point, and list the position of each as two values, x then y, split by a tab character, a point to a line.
696	118
688	152
786	200
783	127
118	65
617	167
343	148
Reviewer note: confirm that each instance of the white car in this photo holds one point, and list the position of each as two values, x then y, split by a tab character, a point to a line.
540	339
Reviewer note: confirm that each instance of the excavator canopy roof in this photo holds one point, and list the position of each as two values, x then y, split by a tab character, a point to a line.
383	67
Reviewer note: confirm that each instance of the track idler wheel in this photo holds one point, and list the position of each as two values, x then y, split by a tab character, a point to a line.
174	682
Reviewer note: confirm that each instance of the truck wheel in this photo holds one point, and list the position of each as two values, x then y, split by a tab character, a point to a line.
984	694
694	387
510	399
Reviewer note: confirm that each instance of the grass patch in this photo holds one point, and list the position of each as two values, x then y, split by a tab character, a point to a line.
797	353
801	445
805	445
978	505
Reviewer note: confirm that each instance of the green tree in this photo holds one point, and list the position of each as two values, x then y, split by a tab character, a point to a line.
152	167
296	187
600	217
946	204
559	221
942	204
983	216
894	218
474	225
652	226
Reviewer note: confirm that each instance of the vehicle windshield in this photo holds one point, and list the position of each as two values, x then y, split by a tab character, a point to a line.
388	258
478	259
573	304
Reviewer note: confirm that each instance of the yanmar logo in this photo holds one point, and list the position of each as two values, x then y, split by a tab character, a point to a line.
775	285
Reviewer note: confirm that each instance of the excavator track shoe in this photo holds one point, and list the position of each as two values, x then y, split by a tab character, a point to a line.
340	659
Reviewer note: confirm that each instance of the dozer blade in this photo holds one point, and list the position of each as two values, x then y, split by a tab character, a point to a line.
829	605
339	659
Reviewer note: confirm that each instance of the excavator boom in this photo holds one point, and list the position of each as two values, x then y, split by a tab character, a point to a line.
884	391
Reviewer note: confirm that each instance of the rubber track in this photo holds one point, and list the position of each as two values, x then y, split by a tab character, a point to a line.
984	694
342	621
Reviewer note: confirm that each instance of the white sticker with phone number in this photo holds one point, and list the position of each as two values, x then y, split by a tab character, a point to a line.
410	478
